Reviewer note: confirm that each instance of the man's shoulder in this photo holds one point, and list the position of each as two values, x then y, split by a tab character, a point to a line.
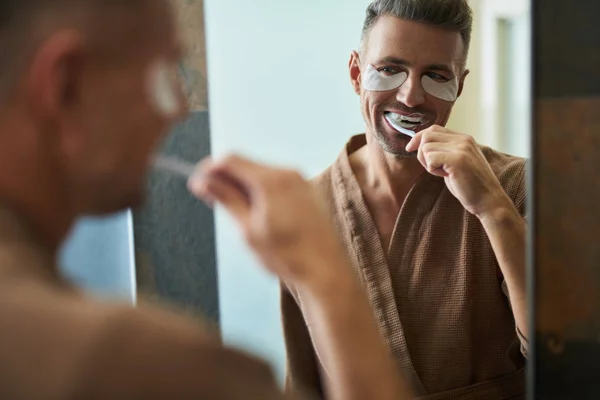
510	171
325	180
162	340
504	164
81	334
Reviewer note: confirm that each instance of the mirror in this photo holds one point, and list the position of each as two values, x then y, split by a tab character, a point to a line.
276	76
280	92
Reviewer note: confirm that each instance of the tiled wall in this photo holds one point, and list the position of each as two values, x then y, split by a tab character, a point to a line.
174	232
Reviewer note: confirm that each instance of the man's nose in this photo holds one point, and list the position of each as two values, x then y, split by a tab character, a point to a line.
411	93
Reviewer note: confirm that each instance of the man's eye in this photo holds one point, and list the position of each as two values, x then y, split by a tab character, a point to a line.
437	77
388	71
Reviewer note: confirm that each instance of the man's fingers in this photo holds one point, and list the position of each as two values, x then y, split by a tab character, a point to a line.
197	187
247	173
437	162
433	134
232	198
254	179
217	188
242	173
249	177
431	147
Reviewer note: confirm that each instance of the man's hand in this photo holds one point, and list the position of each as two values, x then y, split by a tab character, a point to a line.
281	216
469	177
286	224
458	159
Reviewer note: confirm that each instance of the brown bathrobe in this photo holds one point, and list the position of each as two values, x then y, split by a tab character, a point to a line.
57	344
439	296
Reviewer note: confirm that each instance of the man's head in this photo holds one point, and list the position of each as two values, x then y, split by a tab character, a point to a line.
87	90
426	43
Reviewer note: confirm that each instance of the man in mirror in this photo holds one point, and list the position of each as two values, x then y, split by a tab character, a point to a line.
433	222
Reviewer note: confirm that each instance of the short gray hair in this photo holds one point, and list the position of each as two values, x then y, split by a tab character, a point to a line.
453	15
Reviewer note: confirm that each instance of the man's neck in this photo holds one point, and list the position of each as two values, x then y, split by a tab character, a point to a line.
30	188
380	172
46	220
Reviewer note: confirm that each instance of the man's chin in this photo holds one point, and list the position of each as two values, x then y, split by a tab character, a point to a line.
394	143
114	205
401	153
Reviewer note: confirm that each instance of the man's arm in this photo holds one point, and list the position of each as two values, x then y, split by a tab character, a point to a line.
357	364
459	160
302	369
57	344
506	230
286	225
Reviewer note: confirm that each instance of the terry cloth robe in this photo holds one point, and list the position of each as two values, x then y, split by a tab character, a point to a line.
439	297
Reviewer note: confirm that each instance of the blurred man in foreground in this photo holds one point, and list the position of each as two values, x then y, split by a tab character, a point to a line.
87	90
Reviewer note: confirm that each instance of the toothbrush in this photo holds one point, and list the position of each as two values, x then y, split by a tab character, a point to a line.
174	165
186	169
400	129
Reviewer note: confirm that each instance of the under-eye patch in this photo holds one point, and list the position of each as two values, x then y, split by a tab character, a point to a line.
164	88
375	81
442	90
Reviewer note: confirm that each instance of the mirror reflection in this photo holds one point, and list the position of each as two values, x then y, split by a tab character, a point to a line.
434	224
401	272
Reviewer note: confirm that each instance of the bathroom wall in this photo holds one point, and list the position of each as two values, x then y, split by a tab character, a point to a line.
280	92
99	257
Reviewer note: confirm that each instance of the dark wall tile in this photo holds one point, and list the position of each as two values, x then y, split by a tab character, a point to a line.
567	47
174	232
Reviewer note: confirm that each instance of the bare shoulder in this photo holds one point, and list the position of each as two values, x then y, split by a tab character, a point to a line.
68	346
169	355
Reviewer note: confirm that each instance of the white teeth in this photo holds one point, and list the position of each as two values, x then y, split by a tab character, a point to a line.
404	119
400	127
406	125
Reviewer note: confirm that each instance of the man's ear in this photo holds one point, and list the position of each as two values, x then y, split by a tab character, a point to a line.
354	68
461	82
53	81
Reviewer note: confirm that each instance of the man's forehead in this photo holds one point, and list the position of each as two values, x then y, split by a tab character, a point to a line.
414	43
159	36
136	32
170	34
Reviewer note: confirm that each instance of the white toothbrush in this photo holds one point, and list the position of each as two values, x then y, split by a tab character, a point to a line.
174	165
400	129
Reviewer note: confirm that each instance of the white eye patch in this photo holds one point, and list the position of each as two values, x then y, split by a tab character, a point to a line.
442	90
163	88
375	81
